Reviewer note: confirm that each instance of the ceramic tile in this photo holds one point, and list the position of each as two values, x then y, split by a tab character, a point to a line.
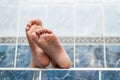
60	20
61	1
18	75
33	1
89	1
7	53
89	56
112	19
113	56
89	21
69	75
111	1
8	2
31	12
8	21
24	56
110	75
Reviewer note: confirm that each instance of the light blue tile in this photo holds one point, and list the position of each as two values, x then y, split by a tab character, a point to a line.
8	21
69	75
18	75
9	2
61	1
7	54
30	12
33	1
60	20
111	1
89	1
110	75
112	19
89	56
70	51
113	56
24	56
89	20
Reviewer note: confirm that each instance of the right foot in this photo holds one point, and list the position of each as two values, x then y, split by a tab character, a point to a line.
49	43
39	57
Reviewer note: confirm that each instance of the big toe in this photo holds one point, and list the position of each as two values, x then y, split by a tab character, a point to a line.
36	22
35	37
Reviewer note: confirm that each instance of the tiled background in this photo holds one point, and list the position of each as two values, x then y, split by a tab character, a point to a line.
88	30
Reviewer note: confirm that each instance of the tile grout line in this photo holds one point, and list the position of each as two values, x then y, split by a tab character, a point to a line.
74	27
100	75
104	43
76	69
15	61
40	78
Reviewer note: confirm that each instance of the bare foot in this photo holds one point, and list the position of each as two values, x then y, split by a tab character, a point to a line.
49	43
39	57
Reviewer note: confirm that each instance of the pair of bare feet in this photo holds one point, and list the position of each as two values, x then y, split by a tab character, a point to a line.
45	47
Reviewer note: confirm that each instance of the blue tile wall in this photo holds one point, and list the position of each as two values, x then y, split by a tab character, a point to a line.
89	30
113	56
69	75
89	56
24	56
7	55
110	75
18	75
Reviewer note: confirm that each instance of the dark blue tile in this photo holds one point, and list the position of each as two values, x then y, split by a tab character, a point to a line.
113	55
24	56
70	51
18	75
89	56
69	75
110	75
7	54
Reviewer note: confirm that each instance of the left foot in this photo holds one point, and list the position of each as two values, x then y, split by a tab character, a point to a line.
39	58
49	43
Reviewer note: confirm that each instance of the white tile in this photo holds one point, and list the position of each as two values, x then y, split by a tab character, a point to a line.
112	19
111	0
33	1
89	1
60	20
9	2
89	21
8	21
31	12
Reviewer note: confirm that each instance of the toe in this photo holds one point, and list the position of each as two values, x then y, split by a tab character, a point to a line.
27	28
35	37
45	31
38	22
29	24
